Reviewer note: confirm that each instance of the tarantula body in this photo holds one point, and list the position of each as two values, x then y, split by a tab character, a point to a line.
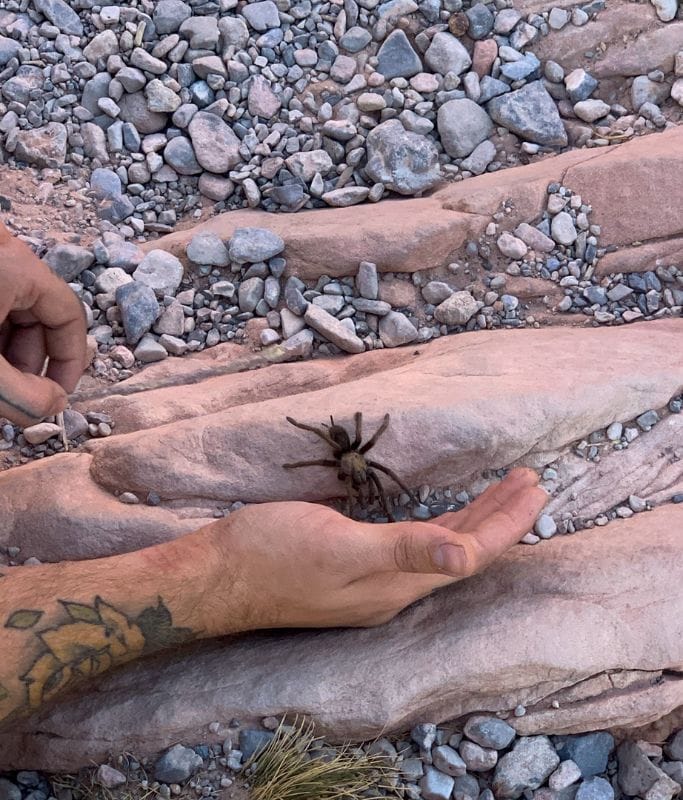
358	473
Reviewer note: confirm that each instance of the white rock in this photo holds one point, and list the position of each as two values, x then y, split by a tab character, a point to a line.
40	433
511	246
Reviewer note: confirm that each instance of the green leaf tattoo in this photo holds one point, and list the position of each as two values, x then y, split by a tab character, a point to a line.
157	627
4	694
79	612
23	619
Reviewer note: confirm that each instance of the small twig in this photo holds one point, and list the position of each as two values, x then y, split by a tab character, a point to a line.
65	438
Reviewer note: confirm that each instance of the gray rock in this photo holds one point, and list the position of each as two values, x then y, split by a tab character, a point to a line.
396	57
161	271
208	248
435	785
436	292
580	85
334	330
526	766
94	141
177	765
595	294
411	769
299	345
354	40
348	196
478	758
215	187
139	309
491	87
150	350
457	309
447	54
489	732
9	49
462	126
234	32
448	761
18	88
367	283
481	21
103	45
68	260
674	748
521	69
644	90
75	425
396	329
215	145
133	108
8	790
61	15
110	279
179	154
562	228
479	159
306	164
105	183
531	113
558	18
44	146
262	100
131	78
511	246
595	789
160	98
343	69
637	774
168	15
262	15
545	526
109	777
405	162
250	293
591	110
377	307
294	298
647	420
251	245
115	209
534	238
424	735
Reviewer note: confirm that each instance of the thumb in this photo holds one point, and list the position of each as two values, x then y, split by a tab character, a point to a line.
25	398
431	549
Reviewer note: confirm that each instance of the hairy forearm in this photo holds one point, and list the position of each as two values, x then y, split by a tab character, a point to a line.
61	624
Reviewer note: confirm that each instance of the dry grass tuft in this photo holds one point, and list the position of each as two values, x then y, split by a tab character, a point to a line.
289	769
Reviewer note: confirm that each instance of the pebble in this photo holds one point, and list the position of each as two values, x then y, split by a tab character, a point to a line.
424	735
37	434
208	249
333	329
149	350
252	740
448	761
109	777
139	309
595	789
489	732
647	420
531	113
252	245
590	752
395	329
462	125
403	161
457	309
562	229
434	785
531	760
477	758
545	526
511	246
566	774
8	790
161	271
177	764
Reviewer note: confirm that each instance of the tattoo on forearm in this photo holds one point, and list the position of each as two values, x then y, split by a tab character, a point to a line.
89	640
28	412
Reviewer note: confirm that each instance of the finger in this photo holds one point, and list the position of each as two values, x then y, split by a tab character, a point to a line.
431	548
26	399
25	348
59	310
494	498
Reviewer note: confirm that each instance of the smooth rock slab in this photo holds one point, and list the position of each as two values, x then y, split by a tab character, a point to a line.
631	566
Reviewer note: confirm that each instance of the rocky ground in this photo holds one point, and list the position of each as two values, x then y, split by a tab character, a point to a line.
538	150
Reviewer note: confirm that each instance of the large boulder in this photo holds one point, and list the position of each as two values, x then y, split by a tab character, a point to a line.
405	162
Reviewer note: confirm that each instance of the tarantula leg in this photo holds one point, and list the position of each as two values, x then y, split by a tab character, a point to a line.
322	434
318	462
393	476
350	495
373	440
382	495
358	418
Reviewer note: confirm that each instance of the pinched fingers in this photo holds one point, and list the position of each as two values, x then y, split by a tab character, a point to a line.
26	398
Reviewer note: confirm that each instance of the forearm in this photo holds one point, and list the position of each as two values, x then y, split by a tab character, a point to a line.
61	624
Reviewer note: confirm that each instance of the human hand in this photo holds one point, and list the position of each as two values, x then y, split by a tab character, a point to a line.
39	317
298	564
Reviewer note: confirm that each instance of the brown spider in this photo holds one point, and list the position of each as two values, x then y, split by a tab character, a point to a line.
356	471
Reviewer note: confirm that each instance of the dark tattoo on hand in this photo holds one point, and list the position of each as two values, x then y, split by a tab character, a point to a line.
91	640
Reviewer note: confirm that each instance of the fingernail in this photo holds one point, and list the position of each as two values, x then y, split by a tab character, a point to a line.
447	557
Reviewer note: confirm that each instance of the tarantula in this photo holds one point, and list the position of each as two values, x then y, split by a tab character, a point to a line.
353	468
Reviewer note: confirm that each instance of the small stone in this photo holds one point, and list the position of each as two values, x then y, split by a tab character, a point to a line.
250	292
253	740
589	751
666	9
348	196
614	431
396	329
591	110
478	758
75	424
447	54
149	350
462	124
403	161
208	249
580	85
435	785
647	420
558	18
562	229
565	775
61	15
526	766
436	292
636	503
457	309
139	309
69	260
595	789
215	145
161	271
37	434
177	764
489	732
448	761
109	777
44	146
333	329
531	113
511	246
367	282
396	57
545	526
8	790
252	245
262	100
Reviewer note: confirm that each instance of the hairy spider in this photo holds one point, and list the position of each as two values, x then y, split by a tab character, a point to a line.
356	471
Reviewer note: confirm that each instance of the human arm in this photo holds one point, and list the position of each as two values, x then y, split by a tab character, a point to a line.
39	317
274	565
